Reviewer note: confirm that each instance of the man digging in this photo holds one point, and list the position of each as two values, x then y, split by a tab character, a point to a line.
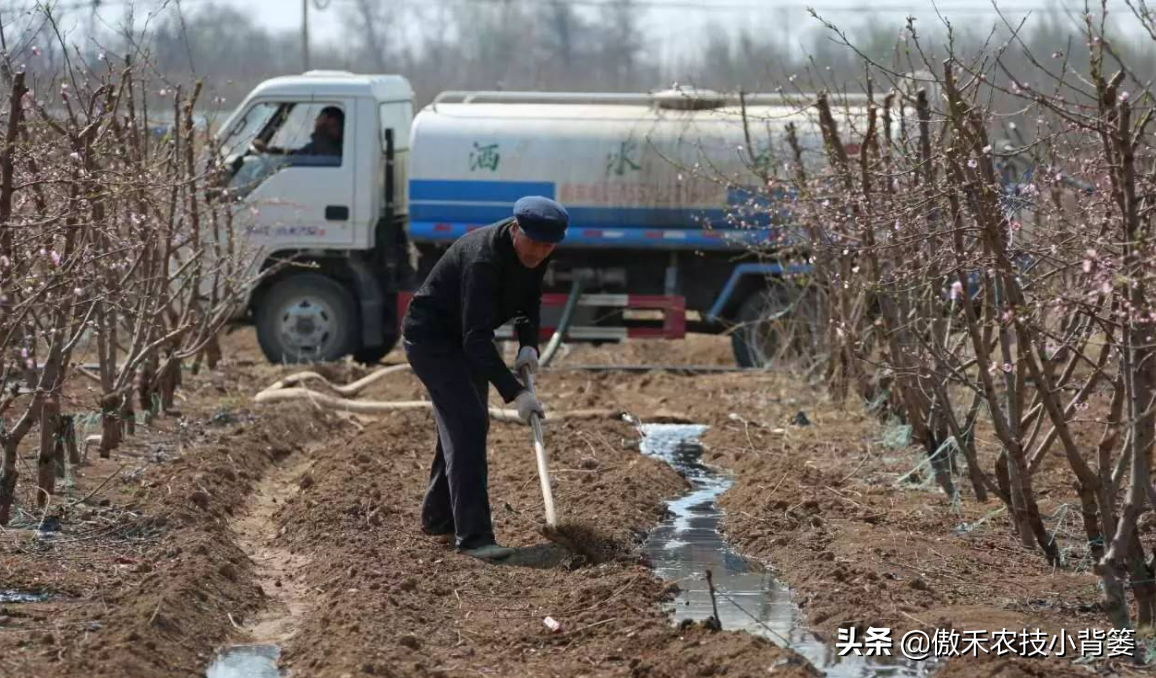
484	280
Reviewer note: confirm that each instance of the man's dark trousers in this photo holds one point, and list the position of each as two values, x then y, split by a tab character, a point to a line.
457	500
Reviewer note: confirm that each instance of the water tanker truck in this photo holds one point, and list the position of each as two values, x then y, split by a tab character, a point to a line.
669	231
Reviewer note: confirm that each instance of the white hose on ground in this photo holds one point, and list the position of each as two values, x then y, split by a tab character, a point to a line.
360	385
346	390
329	402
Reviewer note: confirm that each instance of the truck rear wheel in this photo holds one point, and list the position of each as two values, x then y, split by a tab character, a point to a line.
778	323
307	317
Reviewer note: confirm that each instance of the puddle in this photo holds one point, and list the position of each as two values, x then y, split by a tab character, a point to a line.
246	661
14	596
749	599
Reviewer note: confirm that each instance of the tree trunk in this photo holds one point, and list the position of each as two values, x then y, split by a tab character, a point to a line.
213	352
1115	604
1143	587
110	424
1090	511
938	456
8	476
128	415
68	428
60	454
46	460
1003	478
169	381
148	375
1027	519
974	473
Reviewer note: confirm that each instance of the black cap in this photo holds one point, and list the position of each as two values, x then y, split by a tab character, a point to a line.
541	218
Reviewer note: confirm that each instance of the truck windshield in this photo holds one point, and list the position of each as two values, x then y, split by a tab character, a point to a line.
247	128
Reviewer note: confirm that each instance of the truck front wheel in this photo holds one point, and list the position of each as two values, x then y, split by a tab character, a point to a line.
777	324
307	317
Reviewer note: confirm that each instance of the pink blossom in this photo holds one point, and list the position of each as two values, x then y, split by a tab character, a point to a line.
956	290
55	256
1123	96
4	262
30	364
1007	367
972	163
35	50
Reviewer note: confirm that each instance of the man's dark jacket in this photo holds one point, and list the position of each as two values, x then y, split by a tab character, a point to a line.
477	286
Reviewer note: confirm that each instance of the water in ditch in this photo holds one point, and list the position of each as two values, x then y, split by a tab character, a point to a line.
15	596
246	661
688	543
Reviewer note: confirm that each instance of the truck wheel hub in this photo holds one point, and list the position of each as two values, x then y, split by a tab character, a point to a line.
307	324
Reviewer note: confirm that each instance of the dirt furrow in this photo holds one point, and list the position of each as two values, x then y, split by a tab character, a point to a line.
276	569
391	602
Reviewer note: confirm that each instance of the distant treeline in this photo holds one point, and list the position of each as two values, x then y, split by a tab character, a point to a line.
488	46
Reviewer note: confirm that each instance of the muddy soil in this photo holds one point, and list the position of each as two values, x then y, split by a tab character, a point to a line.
235	523
238	523
863	541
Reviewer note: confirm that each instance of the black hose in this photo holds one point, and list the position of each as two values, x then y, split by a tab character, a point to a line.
563	324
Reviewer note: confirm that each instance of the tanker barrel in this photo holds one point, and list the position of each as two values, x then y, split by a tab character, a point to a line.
511	97
676	98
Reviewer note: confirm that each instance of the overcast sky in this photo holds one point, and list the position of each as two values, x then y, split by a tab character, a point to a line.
670	25
685	17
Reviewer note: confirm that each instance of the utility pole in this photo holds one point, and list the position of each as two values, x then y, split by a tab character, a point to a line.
92	20
305	34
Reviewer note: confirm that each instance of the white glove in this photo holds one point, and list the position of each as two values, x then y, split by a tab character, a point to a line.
527	357
527	404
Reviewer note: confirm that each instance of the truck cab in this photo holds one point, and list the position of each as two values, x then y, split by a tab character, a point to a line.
317	163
